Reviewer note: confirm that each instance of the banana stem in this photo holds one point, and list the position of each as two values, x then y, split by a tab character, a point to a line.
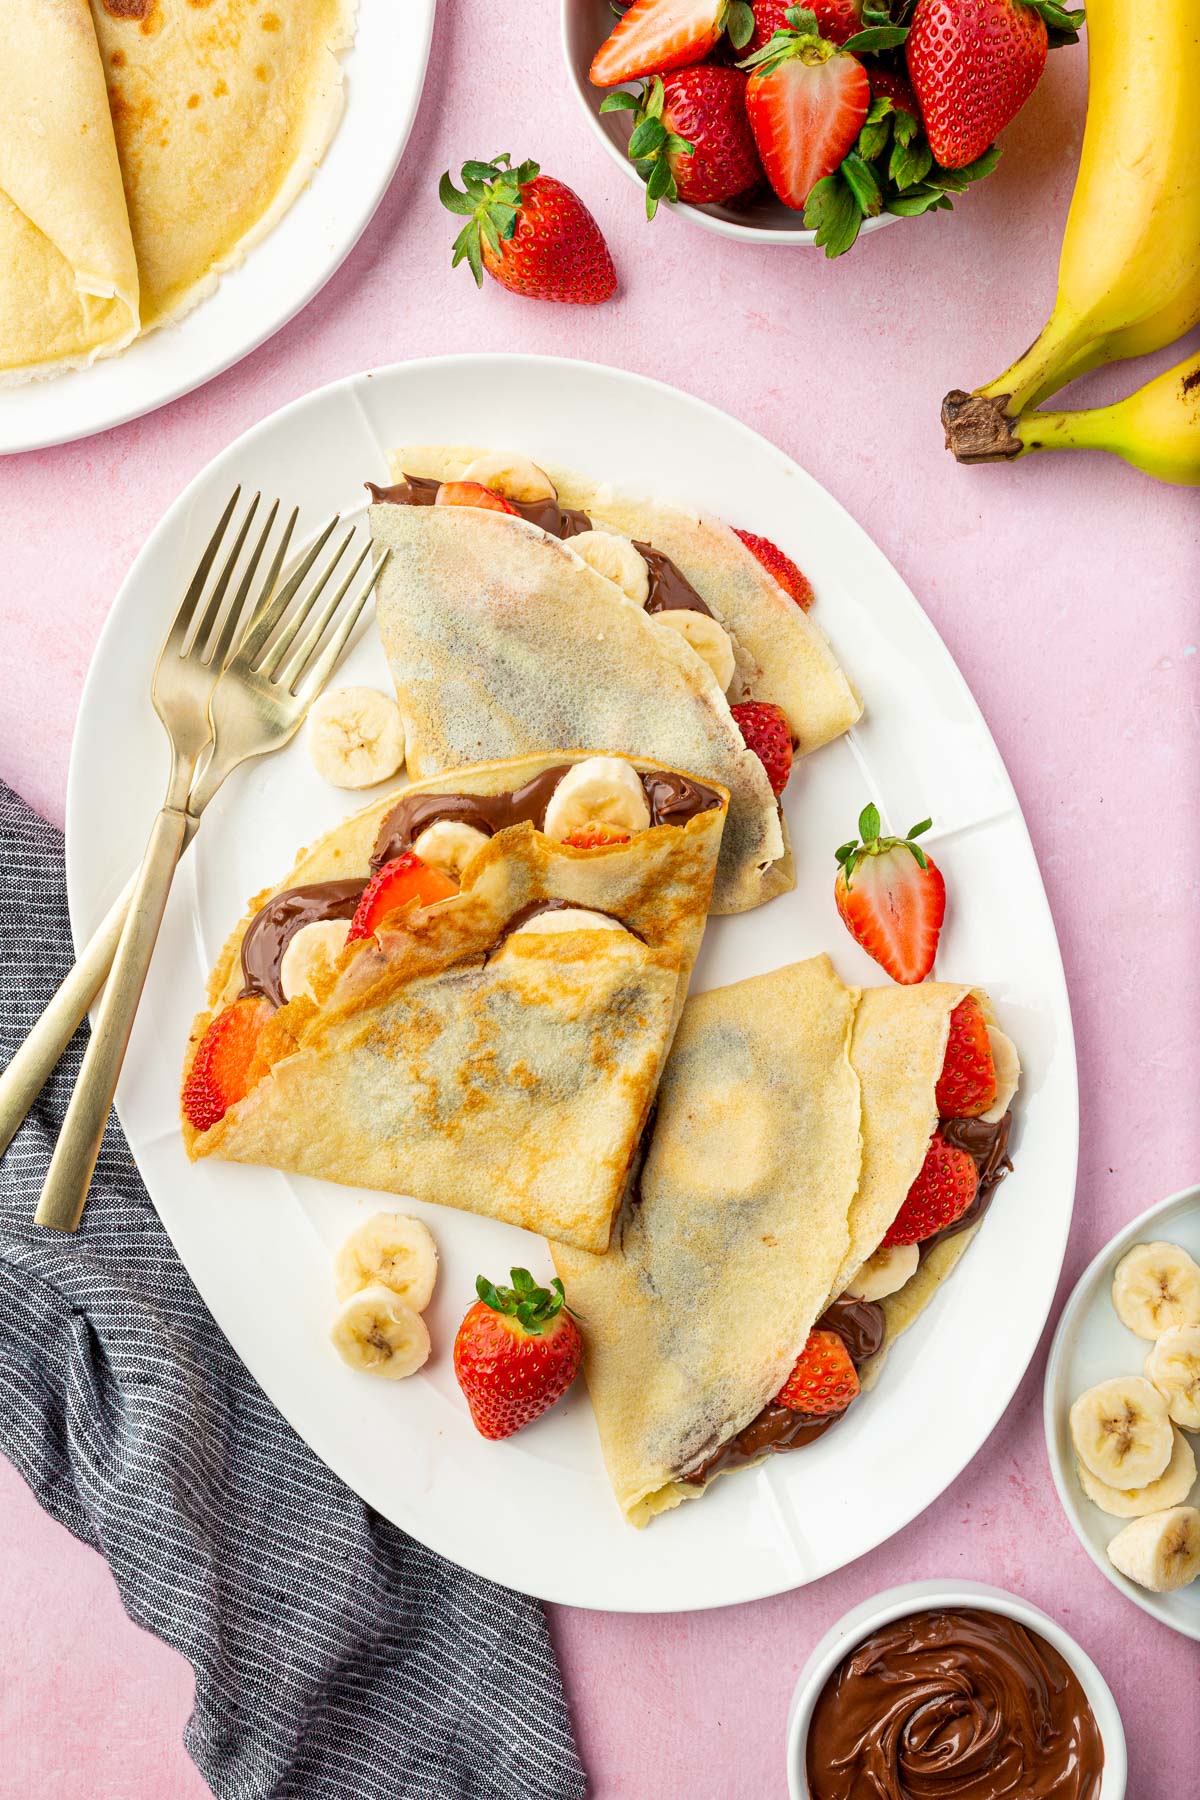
1090	429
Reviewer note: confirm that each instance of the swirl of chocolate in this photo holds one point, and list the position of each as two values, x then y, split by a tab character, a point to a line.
962	1705
670	589
276	923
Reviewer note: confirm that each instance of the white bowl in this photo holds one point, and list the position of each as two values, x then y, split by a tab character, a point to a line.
765	220
927	1596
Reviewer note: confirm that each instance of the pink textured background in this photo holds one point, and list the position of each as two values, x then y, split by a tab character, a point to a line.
1066	588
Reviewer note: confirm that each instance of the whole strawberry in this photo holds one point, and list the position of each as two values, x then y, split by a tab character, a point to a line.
517	1351
974	64
792	580
691	136
945	1186
891	898
529	231
764	726
837	20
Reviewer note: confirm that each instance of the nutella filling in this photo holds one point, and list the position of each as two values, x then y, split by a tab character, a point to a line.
861	1324
274	926
547	515
670	589
966	1704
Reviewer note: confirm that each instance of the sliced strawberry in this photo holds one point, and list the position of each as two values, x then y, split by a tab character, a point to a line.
222	1071
945	1186
823	1378
516	1352
472	493
657	35
792	580
807	101
967	1084
765	729
596	836
891	898
403	879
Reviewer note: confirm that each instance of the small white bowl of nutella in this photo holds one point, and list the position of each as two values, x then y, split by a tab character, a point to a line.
952	1687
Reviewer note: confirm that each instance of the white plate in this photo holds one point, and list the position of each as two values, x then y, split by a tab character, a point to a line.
537	1512
1090	1345
384	71
763	220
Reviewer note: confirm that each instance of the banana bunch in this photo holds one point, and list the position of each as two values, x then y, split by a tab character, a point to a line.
1129	274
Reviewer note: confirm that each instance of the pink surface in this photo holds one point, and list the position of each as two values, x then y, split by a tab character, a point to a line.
1066	590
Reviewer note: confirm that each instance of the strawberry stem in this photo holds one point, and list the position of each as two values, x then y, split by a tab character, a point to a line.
850	855
490	200
532	1306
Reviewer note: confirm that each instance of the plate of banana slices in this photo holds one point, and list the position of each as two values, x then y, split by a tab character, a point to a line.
1122	1411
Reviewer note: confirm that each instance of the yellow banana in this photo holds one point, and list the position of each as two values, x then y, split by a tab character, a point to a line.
1129	274
1157	429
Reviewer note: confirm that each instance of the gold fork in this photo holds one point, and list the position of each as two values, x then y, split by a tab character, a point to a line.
244	703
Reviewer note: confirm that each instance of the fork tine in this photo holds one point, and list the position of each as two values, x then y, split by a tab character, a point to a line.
318	675
272	610
234	617
296	663
212	612
179	628
273	657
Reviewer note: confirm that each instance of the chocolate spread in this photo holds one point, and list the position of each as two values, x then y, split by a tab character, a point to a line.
966	1704
670	589
672	799
547	515
987	1143
275	924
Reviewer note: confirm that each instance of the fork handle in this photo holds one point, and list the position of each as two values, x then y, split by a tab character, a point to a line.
30	1069
74	1158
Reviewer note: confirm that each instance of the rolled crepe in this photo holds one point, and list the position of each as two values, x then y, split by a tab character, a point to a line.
792	1119
780	651
68	275
509	1076
502	641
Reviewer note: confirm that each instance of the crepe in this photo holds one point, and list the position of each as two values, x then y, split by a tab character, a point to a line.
792	1118
68	275
502	641
222	110
505	1076
780	651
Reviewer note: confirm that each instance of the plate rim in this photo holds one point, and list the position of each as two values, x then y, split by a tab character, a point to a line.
222	360
1078	1301
1057	992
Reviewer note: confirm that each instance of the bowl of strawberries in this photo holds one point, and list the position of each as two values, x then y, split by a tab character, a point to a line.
811	123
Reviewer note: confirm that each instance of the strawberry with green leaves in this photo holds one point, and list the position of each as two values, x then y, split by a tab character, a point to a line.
691	136
891	898
837	20
654	36
517	1351
807	102
529	231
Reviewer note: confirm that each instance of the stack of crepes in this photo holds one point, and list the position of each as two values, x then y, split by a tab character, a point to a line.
793	1116
145	145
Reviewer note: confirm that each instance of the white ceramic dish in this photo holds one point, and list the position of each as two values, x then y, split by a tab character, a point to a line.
927	1596
537	1512
1090	1345
384	71
764	220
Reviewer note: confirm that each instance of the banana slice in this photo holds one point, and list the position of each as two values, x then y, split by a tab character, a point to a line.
1008	1073
601	790
393	1250
568	918
1160	1552
616	559
449	845
513	476
376	1332
1121	1432
885	1273
1173	1485
1174	1367
1154	1287
308	962
355	737
707	637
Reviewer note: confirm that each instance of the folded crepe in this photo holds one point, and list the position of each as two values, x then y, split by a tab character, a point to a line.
502	641
780	652
68	274
792	1118
475	1052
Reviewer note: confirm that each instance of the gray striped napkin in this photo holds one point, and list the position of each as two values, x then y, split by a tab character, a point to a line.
335	1658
